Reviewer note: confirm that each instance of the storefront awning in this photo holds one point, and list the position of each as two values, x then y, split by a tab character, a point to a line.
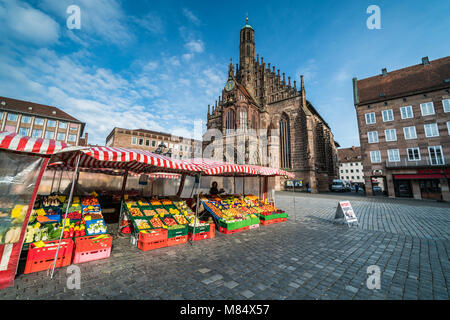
418	176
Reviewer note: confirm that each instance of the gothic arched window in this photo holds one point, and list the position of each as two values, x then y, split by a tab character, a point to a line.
230	120
248	35
285	142
243	120
248	50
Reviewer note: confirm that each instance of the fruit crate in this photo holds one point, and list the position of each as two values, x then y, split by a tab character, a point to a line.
89	222
172	233
177	240
273	216
254	221
271	221
41	259
199	236
234	225
90	249
226	231
153	235
151	245
199	229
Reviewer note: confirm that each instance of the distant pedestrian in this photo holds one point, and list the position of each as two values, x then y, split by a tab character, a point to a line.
356	188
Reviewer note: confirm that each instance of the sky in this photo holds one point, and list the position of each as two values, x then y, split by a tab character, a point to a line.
158	64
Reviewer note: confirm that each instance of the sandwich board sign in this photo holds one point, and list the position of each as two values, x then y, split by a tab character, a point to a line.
345	211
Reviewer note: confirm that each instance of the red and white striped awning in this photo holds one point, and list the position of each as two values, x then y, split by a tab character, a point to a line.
15	142
139	161
213	168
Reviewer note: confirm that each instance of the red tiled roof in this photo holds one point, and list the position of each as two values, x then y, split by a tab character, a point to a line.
36	109
349	154
411	80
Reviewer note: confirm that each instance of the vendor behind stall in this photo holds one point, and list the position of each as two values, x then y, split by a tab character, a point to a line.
214	190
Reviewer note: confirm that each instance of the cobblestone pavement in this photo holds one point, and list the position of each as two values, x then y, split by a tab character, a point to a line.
307	257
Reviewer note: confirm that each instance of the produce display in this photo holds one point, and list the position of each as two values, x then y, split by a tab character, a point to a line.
12	217
142	224
149	212
169	221
161	211
135	212
156	222
84	218
238	212
180	219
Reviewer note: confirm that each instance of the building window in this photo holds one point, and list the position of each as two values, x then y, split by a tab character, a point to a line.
141	141
51	123
346	171
427	108
410	132
62	125
12	117
431	130
1	115
448	127
37	133
375	156
73	126
370	118
49	135
390	134
413	154
38	121
436	156
26	119
243	120
406	112
230	120
285	141
372	136
61	136
446	104
388	115
393	155
23	131
147	143
72	138
133	140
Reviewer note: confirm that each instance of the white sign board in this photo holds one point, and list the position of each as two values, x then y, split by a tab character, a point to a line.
345	211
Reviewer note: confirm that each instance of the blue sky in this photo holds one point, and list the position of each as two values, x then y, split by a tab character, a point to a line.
158	64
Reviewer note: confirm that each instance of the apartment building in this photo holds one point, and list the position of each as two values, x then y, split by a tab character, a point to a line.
404	129
40	121
350	165
157	142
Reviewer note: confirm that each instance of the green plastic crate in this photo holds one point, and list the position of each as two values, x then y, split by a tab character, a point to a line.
178	232
200	229
234	225
273	216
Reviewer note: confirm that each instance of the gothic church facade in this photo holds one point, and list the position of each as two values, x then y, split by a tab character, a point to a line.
290	133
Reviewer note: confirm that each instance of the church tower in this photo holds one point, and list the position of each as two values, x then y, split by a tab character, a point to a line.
247	58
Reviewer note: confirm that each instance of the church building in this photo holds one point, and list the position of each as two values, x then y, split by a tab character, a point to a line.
262	118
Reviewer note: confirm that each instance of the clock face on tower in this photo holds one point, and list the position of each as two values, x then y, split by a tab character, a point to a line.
229	85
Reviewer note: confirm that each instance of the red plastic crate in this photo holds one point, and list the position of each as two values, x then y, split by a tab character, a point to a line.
158	234
177	240
40	259
89	249
151	245
226	231
200	236
212	230
267	222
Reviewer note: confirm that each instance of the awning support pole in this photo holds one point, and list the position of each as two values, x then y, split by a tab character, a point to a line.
74	176
60	178
122	196
196	206
53	180
180	188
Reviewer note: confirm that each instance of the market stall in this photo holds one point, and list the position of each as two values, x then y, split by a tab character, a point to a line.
22	164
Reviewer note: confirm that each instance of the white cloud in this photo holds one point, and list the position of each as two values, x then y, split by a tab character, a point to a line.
100	19
23	22
191	16
151	22
195	46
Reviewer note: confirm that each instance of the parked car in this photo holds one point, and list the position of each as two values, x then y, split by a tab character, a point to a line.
376	189
338	185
